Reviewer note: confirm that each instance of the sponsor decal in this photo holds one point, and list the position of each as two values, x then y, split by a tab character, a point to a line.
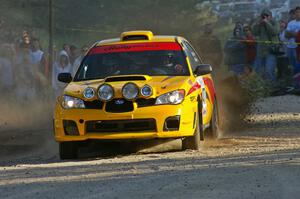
211	89
194	87
153	46
199	84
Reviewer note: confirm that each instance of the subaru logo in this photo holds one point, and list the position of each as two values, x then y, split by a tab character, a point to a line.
119	102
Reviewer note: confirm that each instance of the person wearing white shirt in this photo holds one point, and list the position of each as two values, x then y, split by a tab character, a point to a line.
36	53
291	32
62	65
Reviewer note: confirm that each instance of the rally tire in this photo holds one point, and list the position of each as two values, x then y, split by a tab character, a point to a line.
68	150
213	131
196	141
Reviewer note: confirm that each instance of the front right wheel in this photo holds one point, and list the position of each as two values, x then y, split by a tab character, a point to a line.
194	142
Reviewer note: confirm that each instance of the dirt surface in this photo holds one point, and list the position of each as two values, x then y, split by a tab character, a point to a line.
262	161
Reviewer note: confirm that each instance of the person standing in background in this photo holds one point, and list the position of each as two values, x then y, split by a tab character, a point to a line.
62	65
36	52
250	46
235	53
291	32
66	48
267	30
282	60
73	53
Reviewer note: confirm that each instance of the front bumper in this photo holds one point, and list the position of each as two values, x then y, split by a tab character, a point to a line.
86	118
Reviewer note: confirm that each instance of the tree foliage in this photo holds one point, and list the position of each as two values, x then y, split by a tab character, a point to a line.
86	21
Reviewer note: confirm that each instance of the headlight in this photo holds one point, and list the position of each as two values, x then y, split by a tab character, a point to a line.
130	91
105	92
146	91
174	97
72	102
89	93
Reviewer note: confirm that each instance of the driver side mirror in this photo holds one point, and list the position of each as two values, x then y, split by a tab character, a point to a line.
64	77
203	69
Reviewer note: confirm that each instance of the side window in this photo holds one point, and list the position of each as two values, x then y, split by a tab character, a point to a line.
192	55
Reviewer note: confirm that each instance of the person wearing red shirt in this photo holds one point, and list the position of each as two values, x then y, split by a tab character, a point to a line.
250	46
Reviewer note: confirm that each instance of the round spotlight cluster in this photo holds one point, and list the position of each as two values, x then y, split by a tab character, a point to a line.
130	91
105	92
146	91
89	93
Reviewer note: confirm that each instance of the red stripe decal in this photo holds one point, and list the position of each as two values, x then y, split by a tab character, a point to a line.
195	87
151	46
209	83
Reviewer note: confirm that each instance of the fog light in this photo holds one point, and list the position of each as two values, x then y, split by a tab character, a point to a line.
70	127
172	123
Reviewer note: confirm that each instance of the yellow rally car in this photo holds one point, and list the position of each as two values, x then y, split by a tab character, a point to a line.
138	86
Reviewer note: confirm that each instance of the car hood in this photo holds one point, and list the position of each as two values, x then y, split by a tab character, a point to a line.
159	84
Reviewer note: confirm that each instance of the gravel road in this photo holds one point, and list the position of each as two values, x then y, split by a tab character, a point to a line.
262	161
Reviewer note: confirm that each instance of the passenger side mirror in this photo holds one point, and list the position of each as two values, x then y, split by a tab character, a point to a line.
65	77
203	69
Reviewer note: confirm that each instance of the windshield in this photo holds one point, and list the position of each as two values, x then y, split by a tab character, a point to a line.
154	59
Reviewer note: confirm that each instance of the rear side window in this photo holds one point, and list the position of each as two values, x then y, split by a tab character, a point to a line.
153	59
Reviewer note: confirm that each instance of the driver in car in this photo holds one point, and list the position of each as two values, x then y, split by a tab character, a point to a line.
172	64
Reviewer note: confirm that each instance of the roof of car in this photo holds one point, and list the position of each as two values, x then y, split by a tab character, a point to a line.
137	37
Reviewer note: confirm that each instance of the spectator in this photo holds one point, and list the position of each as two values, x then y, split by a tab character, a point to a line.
66	48
292	29
22	45
39	60
73	53
291	15
266	29
235	52
250	46
25	76
239	25
36	52
61	66
282	60
210	47
78	60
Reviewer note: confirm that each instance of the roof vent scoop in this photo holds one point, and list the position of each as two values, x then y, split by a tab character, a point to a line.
136	35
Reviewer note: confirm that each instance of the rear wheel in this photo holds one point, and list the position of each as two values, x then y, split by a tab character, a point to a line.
68	150
194	142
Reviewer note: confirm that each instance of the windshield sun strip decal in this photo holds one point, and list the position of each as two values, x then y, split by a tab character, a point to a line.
135	47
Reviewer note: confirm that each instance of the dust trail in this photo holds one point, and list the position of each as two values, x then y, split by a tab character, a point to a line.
234	104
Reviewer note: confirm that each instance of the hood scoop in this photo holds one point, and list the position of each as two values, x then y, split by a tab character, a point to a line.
125	78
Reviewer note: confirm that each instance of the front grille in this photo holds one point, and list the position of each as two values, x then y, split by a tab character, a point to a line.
96	104
104	126
119	106
145	102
